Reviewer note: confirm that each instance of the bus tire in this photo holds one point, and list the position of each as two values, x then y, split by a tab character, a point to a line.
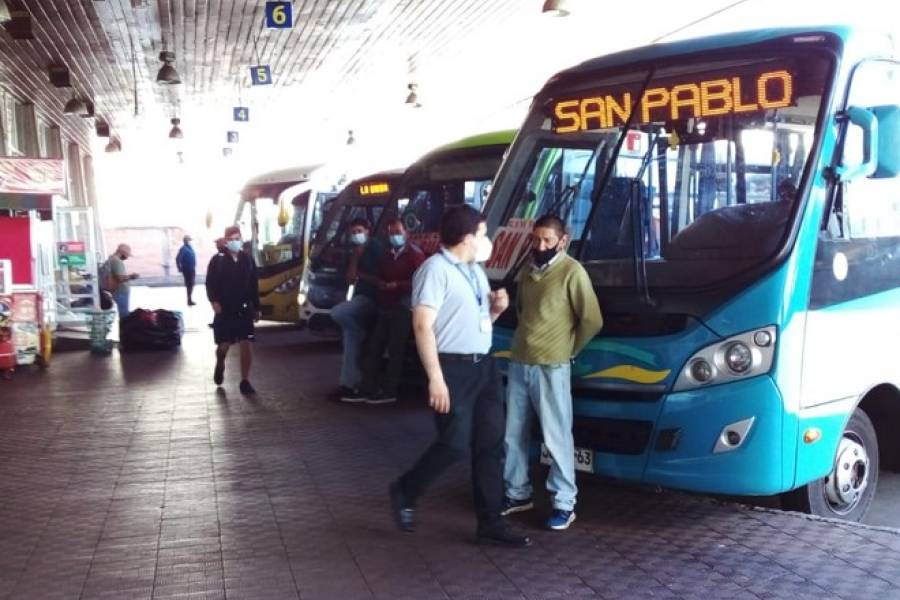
847	492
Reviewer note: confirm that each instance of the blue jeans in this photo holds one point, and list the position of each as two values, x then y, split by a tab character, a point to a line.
121	300
355	319
545	390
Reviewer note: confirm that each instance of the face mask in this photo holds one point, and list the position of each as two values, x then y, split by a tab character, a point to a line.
483	249
398	241
358	239
233	245
123	257
542	257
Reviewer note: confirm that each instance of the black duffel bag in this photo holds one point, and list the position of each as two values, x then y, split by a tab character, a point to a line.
150	330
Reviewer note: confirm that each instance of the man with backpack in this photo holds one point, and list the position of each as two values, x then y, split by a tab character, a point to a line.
114	278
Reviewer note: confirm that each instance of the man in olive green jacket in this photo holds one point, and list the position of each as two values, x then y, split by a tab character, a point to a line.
558	315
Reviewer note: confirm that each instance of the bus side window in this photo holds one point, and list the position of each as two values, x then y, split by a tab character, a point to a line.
872	206
858	252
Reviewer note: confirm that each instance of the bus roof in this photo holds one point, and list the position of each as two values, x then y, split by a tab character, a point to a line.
292	174
655	52
273	183
492	138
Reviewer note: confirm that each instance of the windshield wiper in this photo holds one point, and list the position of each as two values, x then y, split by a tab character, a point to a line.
569	193
572	191
610	165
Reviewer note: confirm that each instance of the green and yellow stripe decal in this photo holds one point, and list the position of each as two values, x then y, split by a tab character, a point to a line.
630	373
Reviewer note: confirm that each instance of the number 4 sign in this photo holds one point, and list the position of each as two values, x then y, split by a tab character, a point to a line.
279	15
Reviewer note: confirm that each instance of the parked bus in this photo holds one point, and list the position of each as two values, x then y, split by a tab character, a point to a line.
457	173
324	285
278	213
735	201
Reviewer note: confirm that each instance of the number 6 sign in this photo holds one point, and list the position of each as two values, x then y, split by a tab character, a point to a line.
279	15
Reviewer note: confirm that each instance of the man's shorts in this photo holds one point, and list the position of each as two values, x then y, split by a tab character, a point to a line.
233	328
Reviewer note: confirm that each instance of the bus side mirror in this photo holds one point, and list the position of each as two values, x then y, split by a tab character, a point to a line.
888	117
851	169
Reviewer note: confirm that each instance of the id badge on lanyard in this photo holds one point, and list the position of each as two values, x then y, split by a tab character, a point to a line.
486	325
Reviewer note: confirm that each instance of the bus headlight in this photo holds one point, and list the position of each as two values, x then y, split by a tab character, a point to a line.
738	357
701	371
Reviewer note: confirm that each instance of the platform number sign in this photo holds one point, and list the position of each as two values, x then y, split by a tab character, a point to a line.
279	15
233	137
241	113
261	75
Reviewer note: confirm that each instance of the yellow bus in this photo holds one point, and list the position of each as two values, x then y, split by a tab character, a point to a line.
279	212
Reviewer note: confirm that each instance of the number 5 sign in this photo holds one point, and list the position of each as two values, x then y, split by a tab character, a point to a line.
279	15
261	75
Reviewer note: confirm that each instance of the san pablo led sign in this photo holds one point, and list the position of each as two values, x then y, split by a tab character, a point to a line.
374	189
701	98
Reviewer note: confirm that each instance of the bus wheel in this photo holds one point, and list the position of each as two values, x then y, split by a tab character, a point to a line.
848	490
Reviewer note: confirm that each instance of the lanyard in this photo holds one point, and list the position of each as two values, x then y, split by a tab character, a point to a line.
470	277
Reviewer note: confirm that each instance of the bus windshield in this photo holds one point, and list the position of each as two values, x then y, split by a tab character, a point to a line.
702	184
332	245
452	181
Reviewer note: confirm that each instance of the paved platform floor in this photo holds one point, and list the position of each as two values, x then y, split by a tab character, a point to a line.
129	476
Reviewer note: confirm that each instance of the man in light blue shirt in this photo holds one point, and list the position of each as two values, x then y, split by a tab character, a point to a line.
453	312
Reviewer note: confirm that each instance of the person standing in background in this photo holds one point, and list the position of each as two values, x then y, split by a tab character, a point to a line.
121	279
186	261
356	316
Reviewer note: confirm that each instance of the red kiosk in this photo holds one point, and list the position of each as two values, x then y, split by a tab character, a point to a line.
29	190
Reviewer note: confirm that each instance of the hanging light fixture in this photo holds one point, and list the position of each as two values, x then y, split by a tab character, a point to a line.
75	106
557	8
114	145
167	73
175	133
413	97
350	139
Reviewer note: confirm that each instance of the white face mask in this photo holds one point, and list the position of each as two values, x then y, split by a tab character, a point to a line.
483	249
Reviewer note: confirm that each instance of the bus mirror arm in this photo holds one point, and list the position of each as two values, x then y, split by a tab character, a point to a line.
865	120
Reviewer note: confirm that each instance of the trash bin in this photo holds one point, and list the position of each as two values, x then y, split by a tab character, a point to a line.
101	325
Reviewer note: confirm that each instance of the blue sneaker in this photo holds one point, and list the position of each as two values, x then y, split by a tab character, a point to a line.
561	519
511	506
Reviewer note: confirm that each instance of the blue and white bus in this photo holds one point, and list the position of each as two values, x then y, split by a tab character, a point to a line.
735	200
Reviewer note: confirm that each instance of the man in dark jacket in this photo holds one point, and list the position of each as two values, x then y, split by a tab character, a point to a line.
233	290
186	261
394	321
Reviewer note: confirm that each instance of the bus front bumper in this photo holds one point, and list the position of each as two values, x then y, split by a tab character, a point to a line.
729	439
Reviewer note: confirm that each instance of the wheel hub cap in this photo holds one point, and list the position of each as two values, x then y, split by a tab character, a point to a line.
846	484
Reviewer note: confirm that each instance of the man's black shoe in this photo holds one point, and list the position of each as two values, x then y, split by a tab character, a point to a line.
404	514
219	373
246	388
502	535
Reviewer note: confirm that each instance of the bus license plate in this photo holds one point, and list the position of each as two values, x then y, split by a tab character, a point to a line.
584	459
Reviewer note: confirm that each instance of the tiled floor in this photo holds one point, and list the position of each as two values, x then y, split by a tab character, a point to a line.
131	477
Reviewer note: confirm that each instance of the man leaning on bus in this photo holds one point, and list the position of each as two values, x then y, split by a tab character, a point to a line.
558	314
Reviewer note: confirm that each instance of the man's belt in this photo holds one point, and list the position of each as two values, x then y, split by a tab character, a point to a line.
469	358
